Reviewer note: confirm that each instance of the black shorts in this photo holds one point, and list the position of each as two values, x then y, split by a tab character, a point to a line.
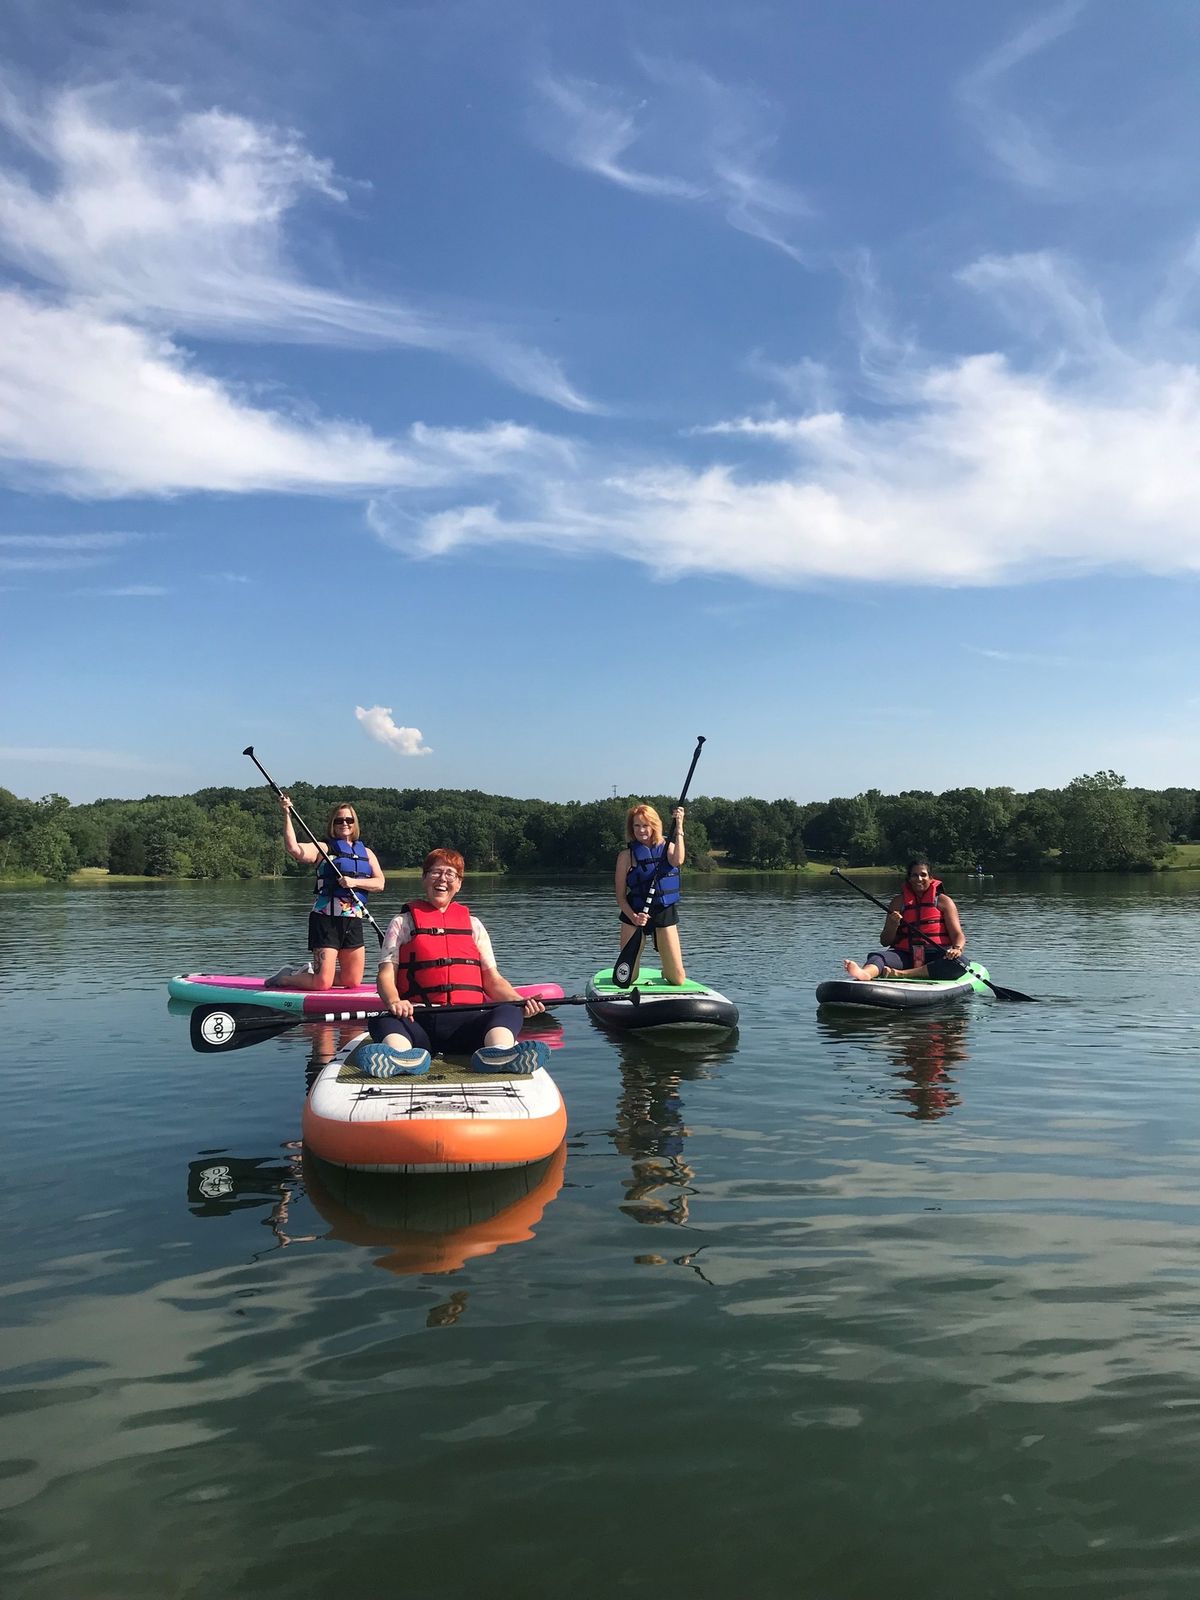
660	917
334	933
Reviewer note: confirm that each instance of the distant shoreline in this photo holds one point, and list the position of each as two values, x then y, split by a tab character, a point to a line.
1186	859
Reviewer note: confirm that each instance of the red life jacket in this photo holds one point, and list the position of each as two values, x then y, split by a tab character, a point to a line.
440	964
921	920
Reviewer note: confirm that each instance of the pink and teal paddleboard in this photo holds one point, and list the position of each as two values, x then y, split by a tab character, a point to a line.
209	988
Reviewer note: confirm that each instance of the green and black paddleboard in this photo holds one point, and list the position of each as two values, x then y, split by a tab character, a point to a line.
651	1005
903	994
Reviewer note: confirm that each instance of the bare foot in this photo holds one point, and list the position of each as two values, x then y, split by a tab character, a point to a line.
858	973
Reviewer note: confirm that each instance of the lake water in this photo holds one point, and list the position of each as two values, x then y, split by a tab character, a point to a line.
841	1307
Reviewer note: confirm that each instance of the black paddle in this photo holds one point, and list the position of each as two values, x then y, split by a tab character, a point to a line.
312	839
949	964
627	960
218	1027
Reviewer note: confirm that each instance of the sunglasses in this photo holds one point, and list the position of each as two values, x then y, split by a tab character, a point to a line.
349	821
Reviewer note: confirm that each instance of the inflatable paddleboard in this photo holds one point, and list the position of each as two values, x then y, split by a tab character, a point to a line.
901	994
449	1120
651	1006
209	988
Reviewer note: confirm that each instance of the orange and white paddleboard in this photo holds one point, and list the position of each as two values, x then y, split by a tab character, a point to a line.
449	1120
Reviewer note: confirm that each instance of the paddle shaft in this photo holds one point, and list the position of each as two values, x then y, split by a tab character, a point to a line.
997	989
237	1019
631	949
316	843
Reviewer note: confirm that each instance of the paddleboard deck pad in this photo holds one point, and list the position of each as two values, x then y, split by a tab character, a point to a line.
347	1005
651	1005
900	994
450	1120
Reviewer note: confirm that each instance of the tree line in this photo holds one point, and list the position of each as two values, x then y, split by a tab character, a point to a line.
1096	823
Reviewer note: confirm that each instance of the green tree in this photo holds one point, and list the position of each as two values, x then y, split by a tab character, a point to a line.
127	850
1105	827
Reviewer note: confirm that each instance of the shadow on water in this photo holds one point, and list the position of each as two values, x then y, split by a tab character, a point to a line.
923	1052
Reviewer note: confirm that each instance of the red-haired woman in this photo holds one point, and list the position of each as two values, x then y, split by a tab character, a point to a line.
436	953
637	866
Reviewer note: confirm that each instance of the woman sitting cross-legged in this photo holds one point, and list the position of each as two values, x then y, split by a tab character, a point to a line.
921	933
435	953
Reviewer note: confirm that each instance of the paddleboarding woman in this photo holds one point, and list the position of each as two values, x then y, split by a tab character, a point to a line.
335	923
636	867
922	926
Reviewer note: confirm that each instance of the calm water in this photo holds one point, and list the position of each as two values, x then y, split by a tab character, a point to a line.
840	1308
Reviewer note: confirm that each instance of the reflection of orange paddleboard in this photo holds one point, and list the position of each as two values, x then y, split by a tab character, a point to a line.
440	1223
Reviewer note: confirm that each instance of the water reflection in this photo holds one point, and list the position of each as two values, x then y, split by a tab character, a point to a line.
435	1223
438	1222
220	1184
924	1050
651	1132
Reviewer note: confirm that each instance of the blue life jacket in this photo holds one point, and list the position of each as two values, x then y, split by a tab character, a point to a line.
349	861
643	863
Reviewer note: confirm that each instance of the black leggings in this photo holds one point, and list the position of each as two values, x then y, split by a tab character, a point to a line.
445	1034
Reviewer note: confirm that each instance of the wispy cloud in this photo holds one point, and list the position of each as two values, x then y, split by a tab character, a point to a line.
1020	658
1021	147
178	221
74	756
57	542
377	724
129	591
690	138
58	552
979	471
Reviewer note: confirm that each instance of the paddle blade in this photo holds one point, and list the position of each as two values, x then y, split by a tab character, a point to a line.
216	1028
623	970
1002	993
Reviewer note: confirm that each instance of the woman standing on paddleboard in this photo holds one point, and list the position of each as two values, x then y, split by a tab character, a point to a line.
922	926
345	867
637	866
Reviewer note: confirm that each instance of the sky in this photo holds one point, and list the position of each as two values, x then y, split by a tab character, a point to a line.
499	394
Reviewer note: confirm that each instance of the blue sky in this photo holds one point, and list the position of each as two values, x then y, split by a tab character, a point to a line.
500	394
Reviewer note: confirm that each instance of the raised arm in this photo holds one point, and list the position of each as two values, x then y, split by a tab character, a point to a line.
298	850
676	852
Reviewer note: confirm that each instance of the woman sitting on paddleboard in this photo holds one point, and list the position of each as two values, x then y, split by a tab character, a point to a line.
922	927
635	873
335	923
436	953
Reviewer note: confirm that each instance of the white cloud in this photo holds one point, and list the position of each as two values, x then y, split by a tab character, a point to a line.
378	725
58	552
127	387
178	221
981	472
89	437
692	139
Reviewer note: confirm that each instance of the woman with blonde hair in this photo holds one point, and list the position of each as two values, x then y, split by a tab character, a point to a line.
346	869
637	872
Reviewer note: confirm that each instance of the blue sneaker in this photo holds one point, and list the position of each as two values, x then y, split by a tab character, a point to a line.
517	1060
385	1061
